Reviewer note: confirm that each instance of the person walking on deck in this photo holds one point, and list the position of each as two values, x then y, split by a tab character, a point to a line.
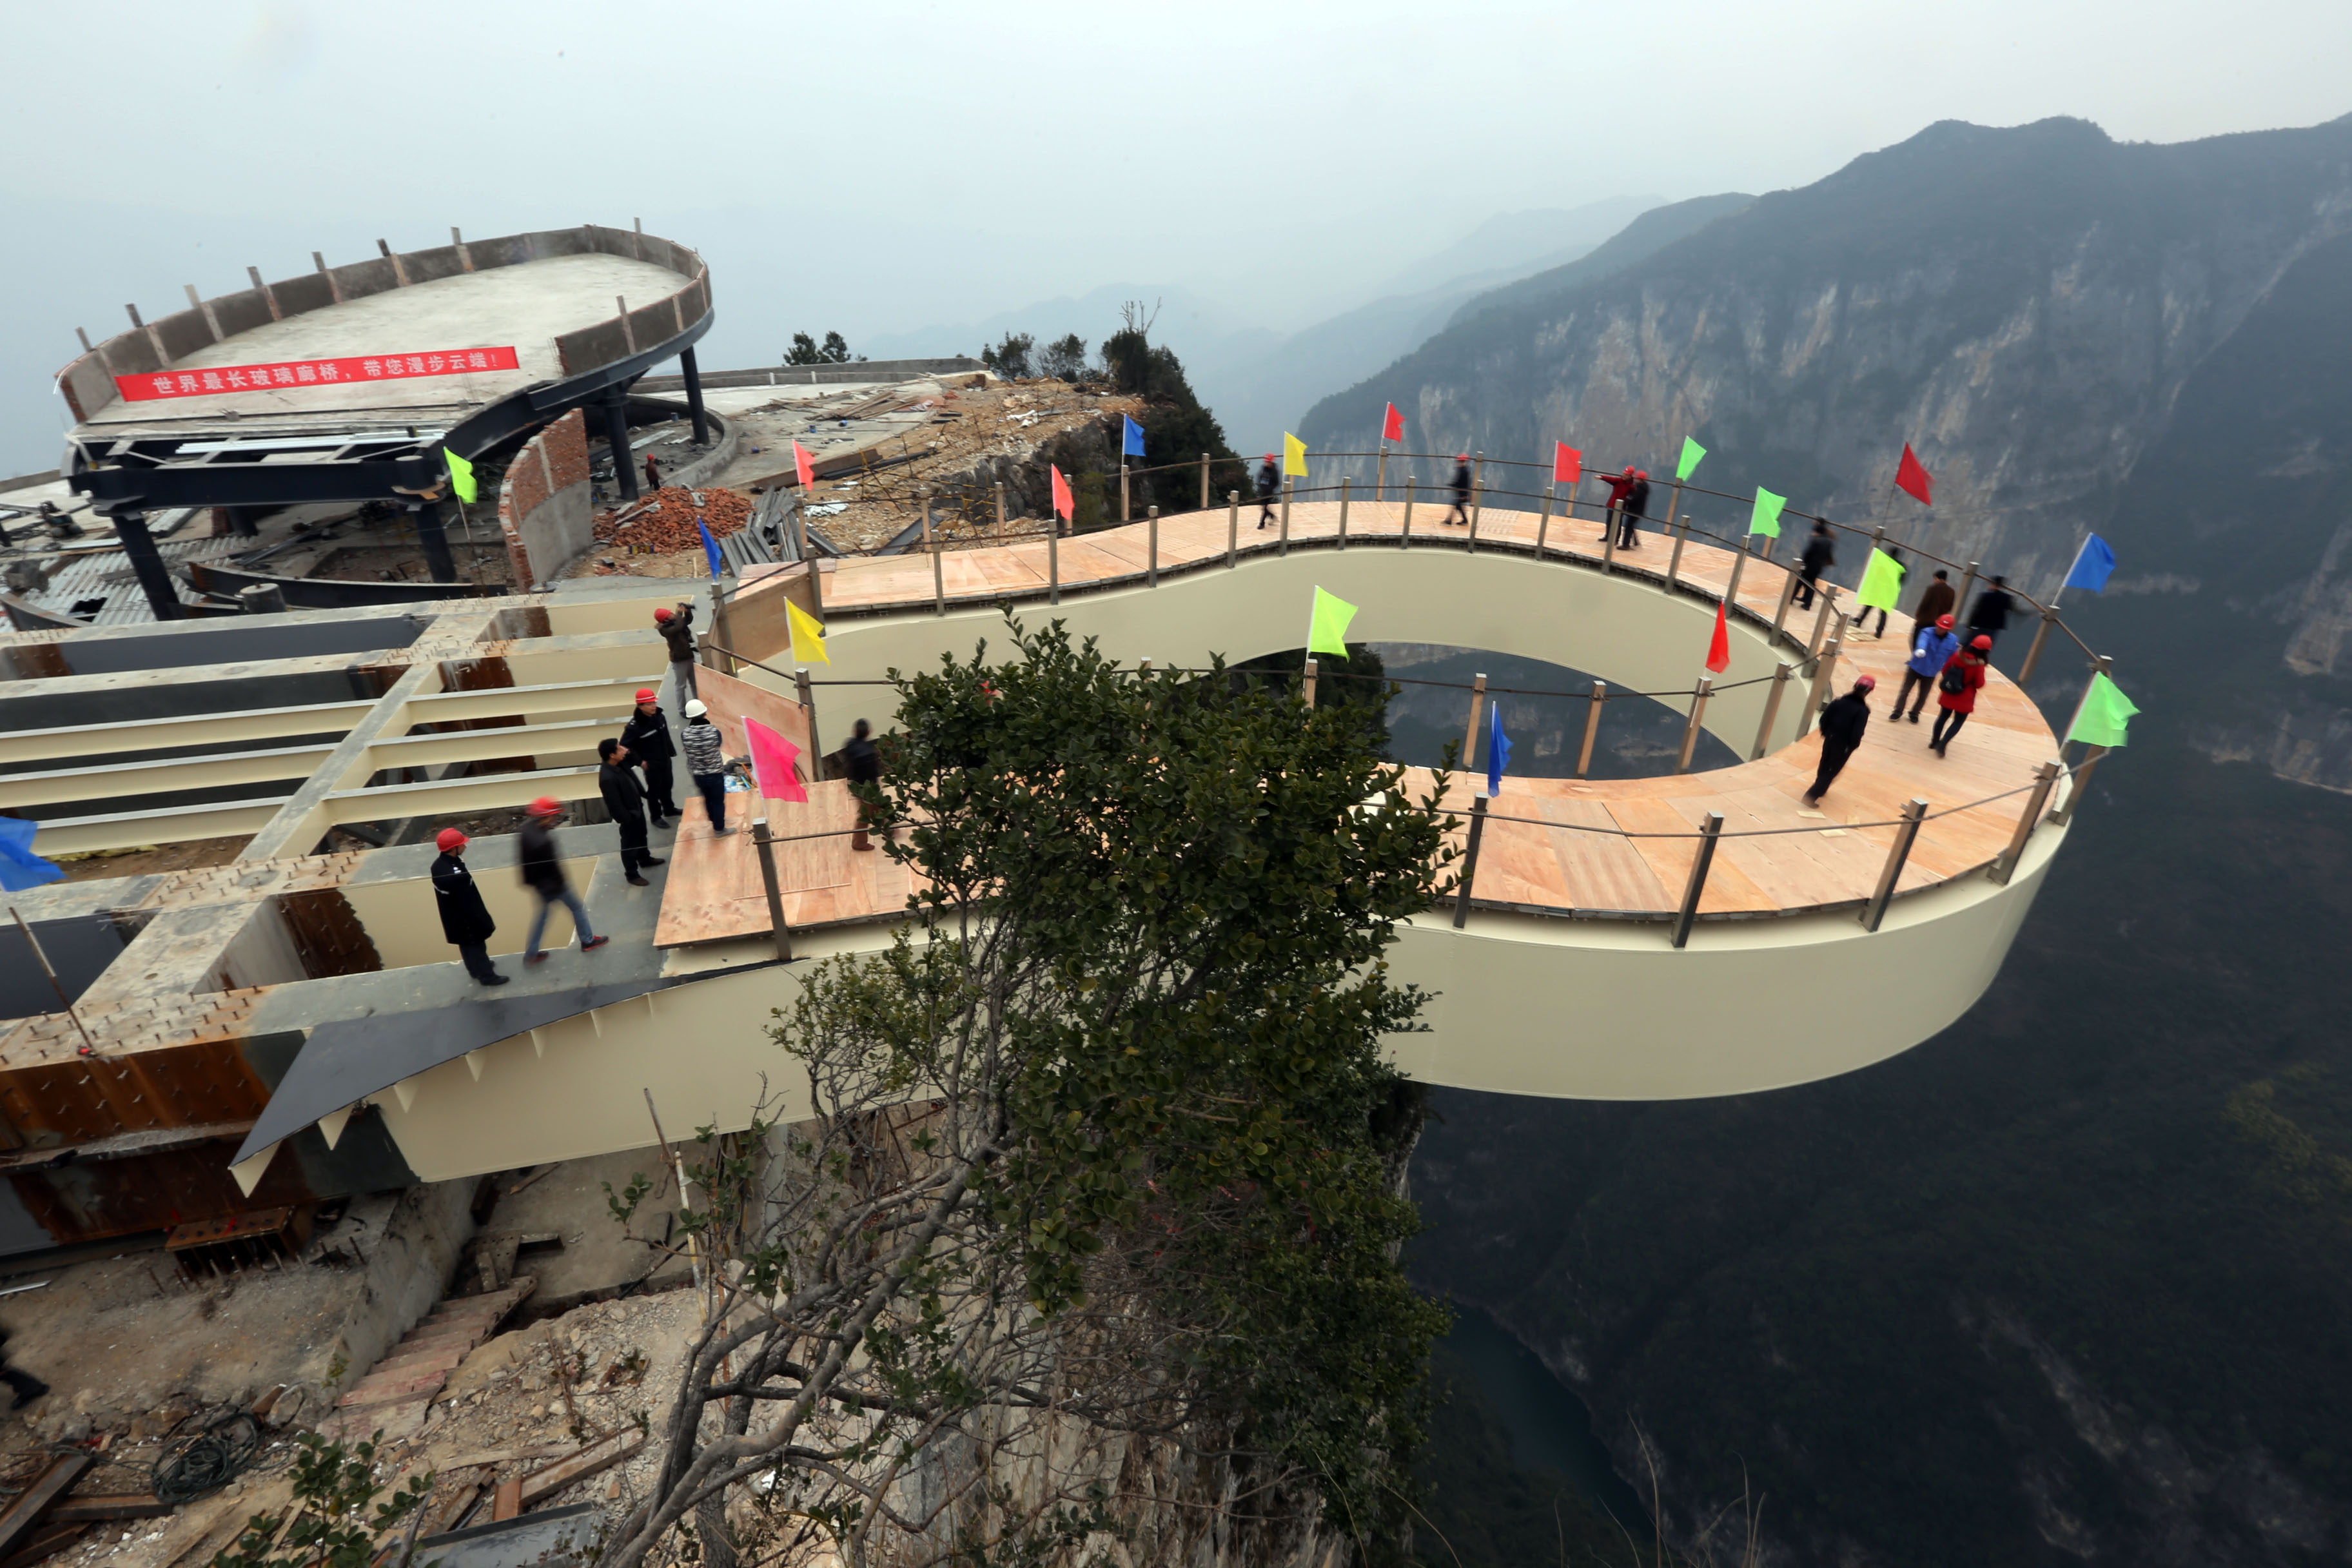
1863	615
464	919
1621	485
1636	507
865	763
706	761
1820	554
1938	601
677	628
1842	722
1269	485
1461	512
624	798
1932	647
646	735
1956	689
1991	616
542	873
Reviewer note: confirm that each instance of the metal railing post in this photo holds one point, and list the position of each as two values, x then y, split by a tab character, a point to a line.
1470	861
1709	832
1233	526
807	692
765	844
1914	811
1827	593
1675	561
1470	734
1307	687
1125	511
1543	526
1289	482
1404	540
1771	708
1053	566
1346	489
1968	586
2040	635
1787	595
2046	779
1152	556
1477	500
2076	785
1591	727
1204	481
1690	730
1000	506
1612	520
1824	671
938	563
1738	566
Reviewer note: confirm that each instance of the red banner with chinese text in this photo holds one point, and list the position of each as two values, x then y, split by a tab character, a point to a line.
302	373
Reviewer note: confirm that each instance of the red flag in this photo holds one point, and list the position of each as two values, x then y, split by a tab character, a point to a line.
1064	503
1718	652
1392	427
801	461
772	757
1913	478
1566	464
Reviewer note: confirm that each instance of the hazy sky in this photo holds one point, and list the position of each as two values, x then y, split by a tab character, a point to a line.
877	167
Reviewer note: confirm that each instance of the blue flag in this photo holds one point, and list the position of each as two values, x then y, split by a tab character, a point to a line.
19	866
711	548
1133	446
1498	751
2093	564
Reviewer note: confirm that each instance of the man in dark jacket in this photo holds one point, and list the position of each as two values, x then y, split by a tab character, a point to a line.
1820	554
865	764
1991	617
1461	512
1935	603
542	873
1269	485
1842	722
677	628
464	919
647	736
624	798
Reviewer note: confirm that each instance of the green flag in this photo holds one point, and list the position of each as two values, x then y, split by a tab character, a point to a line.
1766	520
2106	711
1882	581
461	476
1328	631
1692	453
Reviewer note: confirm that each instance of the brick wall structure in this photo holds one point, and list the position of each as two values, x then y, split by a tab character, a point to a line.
545	511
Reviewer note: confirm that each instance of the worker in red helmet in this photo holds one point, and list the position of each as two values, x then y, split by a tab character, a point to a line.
1461	512
648	737
464	919
1269	484
677	628
1956	691
542	873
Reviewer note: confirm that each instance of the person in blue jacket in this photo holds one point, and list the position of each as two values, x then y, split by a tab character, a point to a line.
1931	649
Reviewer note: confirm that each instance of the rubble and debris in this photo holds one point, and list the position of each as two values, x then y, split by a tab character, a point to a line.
664	522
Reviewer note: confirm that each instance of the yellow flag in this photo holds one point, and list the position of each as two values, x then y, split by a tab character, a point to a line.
808	635
461	476
1294	455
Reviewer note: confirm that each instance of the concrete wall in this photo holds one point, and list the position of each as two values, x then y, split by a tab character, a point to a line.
877	370
545	506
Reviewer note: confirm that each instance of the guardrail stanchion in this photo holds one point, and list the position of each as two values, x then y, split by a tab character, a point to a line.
1470	734
1968	586
1053	563
1289	482
1824	671
1787	594
1381	485
1610	524
1204	481
1233	526
2040	635
1700	695
2077	784
2046	779
1470	861
816	578
1771	708
938	565
1675	561
1477	501
1307	686
808	705
1591	727
1738	566
1404	540
1347	488
1125	513
1543	526
1709	832
1914	811
1151	557
1000	506
1827	592
765	844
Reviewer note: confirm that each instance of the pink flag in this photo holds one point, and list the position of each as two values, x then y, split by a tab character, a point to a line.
1064	503
1392	427
807	467
1566	464
772	757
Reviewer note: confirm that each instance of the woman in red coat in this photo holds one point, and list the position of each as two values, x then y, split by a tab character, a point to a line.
1956	691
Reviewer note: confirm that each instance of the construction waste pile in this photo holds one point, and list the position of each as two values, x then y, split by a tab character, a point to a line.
666	522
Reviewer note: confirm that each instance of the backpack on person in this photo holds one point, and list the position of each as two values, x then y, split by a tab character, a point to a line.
1954	678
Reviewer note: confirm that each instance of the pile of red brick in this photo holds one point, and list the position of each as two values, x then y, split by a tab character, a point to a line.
667	523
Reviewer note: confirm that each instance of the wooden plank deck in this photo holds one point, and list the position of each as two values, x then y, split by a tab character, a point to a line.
1760	868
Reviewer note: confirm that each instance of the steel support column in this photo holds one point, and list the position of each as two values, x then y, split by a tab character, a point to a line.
693	373
435	541
147	565
616	436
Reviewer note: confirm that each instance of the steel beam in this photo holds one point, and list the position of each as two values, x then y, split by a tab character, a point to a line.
154	734
115	780
173	824
571	737
450	797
